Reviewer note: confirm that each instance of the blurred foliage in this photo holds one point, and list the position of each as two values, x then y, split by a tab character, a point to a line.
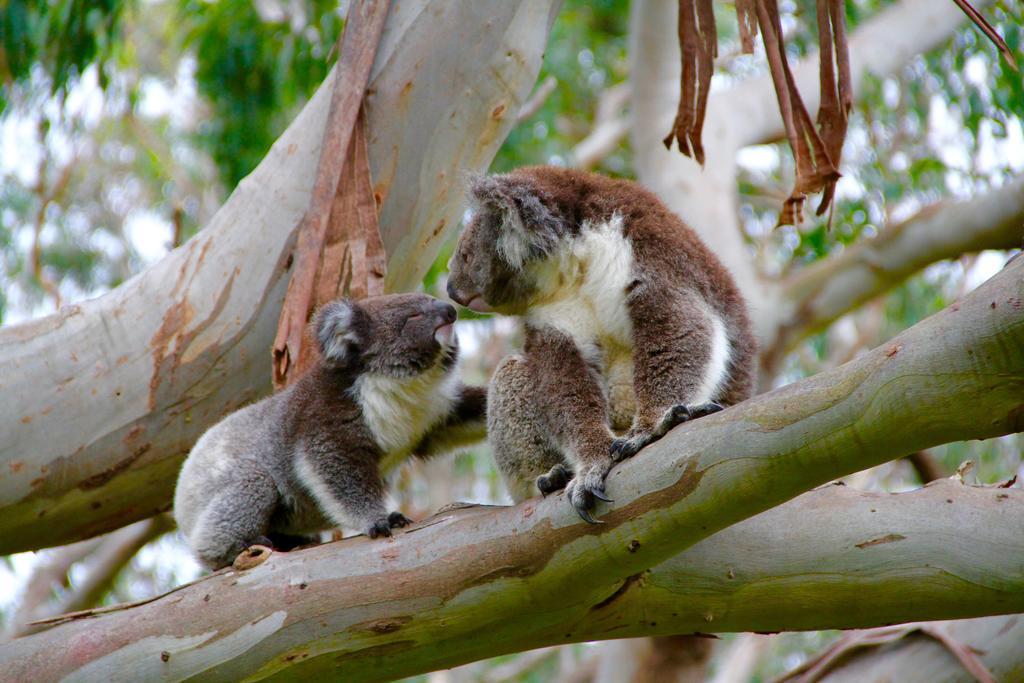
62	36
124	124
255	70
586	54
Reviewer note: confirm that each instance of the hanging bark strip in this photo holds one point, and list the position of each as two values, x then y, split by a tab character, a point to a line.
352	262
986	28
698	43
814	169
356	54
836	99
746	14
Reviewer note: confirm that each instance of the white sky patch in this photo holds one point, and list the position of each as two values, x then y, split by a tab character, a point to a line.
12	579
157	99
149	235
19	152
987	264
759	158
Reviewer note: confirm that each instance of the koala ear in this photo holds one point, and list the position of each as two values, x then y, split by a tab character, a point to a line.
336	333
528	228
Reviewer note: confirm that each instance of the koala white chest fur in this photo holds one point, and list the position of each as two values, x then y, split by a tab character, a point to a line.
582	287
400	411
583	294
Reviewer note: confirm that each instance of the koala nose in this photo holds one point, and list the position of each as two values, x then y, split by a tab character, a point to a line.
447	312
452	293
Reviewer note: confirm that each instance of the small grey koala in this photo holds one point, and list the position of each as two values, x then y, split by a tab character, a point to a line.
632	325
311	456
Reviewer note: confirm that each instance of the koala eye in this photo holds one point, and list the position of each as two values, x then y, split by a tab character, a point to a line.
464	256
414	316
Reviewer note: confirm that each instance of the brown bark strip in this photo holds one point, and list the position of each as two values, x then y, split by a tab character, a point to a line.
353	262
358	48
814	168
854	642
836	99
986	28
698	45
746	15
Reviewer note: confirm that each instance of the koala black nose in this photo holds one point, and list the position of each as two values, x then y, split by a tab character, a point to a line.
452	294
447	312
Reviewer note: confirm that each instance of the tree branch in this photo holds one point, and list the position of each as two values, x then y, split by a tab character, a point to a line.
994	640
100	402
818	294
481	582
104	559
610	127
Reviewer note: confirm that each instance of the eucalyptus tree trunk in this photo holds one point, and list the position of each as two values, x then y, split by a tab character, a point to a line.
486	581
100	402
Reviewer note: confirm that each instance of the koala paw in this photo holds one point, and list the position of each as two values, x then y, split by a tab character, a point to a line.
379	527
587	485
629	446
676	415
555	480
704	409
397	519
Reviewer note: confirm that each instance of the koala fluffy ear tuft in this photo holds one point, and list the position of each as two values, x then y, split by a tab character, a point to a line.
336	333
528	228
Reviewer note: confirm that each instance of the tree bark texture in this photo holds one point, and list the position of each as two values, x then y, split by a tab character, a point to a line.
482	582
100	402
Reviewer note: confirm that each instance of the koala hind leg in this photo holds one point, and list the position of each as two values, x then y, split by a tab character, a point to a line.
527	460
235	518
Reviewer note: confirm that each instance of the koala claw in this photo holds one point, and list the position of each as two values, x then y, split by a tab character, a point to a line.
261	540
626	448
585	487
397	519
704	409
555	480
380	527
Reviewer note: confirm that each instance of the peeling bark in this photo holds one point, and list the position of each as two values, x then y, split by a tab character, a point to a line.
479	582
996	642
746	115
100	403
340	178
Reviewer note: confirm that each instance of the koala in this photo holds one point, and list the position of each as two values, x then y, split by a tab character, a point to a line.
311	456
632	325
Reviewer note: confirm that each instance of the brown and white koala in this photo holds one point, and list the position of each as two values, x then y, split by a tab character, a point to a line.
312	456
632	324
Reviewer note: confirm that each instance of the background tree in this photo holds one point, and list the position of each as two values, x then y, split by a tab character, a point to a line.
154	108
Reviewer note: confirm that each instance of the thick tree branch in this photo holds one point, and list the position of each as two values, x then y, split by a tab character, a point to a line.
99	403
481	582
103	558
818	294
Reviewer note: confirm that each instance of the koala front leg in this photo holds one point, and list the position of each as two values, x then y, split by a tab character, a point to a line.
575	411
680	360
465	425
348	489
